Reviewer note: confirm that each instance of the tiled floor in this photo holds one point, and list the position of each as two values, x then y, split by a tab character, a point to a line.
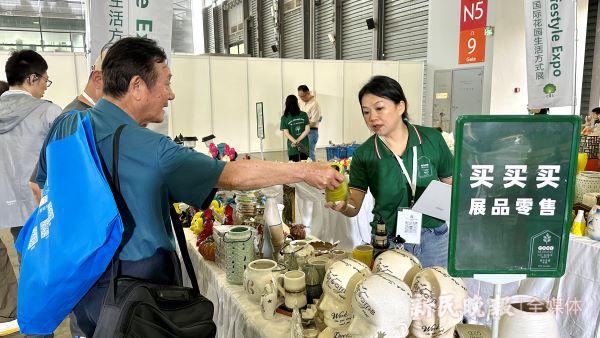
63	330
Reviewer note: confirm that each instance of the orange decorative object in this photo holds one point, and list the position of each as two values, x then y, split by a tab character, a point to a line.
592	164
207	249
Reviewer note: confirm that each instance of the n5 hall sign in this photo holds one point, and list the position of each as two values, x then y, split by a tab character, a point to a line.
473	19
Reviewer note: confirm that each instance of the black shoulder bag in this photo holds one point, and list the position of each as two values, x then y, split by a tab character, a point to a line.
139	308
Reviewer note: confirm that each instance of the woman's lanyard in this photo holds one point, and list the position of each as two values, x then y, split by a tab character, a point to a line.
87	97
413	181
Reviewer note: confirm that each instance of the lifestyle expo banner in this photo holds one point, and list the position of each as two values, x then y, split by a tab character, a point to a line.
111	20
550	45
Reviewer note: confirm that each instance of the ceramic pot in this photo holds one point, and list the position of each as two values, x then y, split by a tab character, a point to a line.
586	182
528	317
257	275
303	251
593	225
239	252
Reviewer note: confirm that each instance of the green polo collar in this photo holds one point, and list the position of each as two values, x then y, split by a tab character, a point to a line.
414	139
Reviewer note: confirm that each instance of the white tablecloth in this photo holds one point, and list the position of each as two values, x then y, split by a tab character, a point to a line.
576	295
235	315
329	225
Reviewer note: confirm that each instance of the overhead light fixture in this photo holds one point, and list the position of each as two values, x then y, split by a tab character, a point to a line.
370	23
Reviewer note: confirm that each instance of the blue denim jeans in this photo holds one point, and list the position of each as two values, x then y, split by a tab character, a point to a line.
313	137
433	250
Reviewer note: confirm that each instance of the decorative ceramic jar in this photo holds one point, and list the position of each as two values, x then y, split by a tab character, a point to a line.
218	235
398	263
593	224
432	287
239	252
586	182
302	250
528	317
257	275
381	306
338	288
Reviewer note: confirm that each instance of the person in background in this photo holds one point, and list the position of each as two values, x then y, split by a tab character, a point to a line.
384	165
592	121
3	87
87	99
309	104
25	119
153	169
295	126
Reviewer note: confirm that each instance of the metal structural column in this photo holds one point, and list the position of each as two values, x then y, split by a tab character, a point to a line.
279	27
379	13
259	28
595	89
247	27
308	12
338	29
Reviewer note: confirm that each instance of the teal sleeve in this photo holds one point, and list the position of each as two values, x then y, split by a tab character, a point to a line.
191	177
446	160
358	174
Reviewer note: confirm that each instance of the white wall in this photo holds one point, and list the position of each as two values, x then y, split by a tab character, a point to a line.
442	49
68	74
218	95
504	66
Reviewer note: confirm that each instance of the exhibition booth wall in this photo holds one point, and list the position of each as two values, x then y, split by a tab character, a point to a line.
505	60
218	95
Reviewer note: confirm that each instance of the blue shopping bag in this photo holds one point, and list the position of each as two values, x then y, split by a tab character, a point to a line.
70	239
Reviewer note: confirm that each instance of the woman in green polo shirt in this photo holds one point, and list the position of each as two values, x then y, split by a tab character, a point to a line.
385	164
295	127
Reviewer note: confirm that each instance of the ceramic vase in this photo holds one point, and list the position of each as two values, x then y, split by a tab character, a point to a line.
586	182
257	275
239	252
528	317
593	224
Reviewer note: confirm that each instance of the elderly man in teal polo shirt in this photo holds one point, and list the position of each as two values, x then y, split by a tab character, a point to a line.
153	168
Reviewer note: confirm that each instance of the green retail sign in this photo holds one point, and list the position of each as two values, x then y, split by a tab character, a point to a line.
514	178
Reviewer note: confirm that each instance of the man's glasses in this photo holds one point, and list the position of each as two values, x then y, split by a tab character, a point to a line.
48	82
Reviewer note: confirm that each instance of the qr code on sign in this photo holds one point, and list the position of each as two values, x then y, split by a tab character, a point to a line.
411	226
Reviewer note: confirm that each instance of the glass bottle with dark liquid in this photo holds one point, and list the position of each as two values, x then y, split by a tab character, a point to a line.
380	240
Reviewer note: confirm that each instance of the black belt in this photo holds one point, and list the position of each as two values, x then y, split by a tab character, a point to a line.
311	128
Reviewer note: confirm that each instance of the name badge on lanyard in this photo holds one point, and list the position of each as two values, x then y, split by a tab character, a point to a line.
409	222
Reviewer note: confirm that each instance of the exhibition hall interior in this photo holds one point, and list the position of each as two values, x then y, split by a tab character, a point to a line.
300	168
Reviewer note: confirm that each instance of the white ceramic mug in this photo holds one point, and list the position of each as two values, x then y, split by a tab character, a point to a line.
293	288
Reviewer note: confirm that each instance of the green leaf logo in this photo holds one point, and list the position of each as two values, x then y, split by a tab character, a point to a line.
549	88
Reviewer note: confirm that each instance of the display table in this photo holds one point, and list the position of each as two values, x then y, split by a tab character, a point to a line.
575	296
329	225
235	315
579	290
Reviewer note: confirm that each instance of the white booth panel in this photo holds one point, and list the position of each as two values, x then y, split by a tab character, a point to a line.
190	111
82	71
410	77
229	91
329	87
356	74
264	79
389	69
295	73
62	73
